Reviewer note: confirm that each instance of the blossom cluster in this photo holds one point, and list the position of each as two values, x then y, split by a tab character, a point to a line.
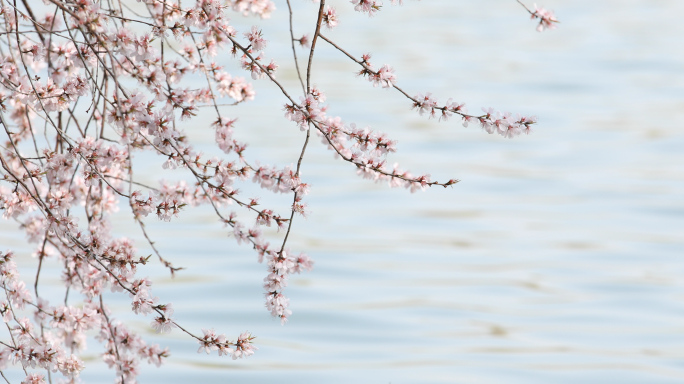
547	19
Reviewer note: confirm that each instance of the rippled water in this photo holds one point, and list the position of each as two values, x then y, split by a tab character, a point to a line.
559	258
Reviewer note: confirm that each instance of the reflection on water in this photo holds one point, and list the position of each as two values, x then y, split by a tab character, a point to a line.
557	259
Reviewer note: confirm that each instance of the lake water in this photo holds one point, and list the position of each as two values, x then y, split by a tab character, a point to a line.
559	258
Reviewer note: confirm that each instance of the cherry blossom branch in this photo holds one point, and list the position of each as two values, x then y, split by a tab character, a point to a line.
492	121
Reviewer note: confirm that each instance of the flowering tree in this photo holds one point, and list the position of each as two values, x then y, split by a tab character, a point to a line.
85	85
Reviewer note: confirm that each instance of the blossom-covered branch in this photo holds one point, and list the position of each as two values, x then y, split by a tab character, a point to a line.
85	87
506	124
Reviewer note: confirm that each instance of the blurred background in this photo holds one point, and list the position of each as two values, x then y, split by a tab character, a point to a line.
558	258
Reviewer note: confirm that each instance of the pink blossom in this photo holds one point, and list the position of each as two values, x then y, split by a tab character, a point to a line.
34	378
304	41
262	8
257	42
243	346
547	20
425	104
162	324
70	366
210	340
236	88
330	17
384	77
368	6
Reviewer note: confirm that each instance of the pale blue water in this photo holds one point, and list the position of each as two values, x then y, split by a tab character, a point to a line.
559	258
